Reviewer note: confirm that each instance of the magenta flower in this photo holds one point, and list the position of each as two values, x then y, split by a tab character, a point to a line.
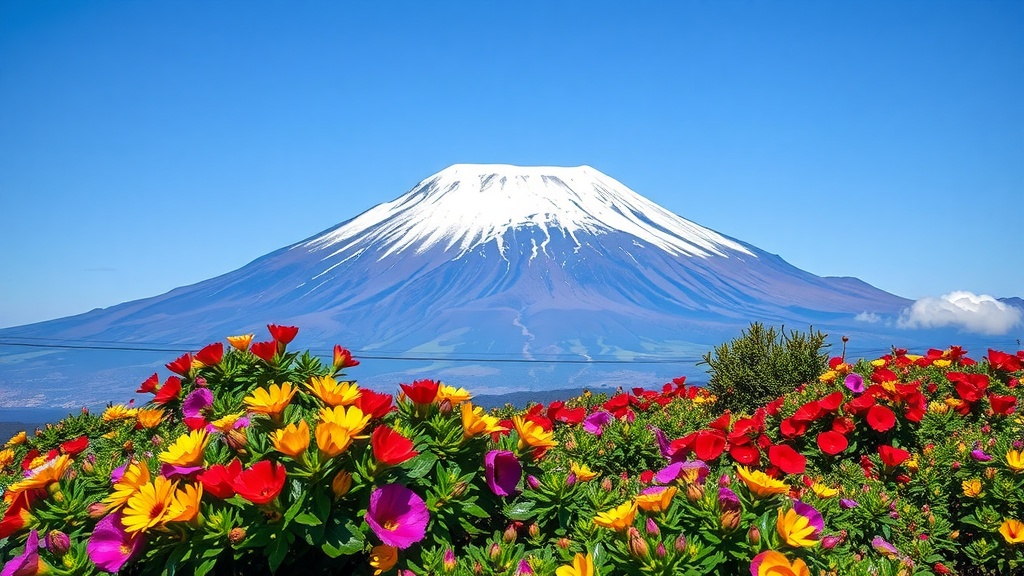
668	473
811	514
28	562
110	546
854	383
884	548
728	501
596	422
847	503
980	455
502	471
397	515
199	401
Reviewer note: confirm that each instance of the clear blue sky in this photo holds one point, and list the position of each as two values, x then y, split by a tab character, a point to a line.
149	145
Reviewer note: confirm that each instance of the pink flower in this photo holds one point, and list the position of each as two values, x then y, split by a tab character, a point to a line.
595	423
397	515
110	546
502	471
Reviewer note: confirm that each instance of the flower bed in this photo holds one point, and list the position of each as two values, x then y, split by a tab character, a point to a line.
255	459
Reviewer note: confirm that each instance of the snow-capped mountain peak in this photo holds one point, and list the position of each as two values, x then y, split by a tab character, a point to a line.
467	205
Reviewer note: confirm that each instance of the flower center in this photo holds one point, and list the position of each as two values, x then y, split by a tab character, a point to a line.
390	525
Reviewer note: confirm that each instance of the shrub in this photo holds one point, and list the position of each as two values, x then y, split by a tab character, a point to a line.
762	365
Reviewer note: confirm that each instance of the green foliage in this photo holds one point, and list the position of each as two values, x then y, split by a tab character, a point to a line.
762	365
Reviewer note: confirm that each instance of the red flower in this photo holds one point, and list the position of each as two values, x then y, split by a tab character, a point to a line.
211	354
773	407
1002	405
149	385
169	391
745	454
709	444
791	428
390	447
76	446
970	387
282	334
569	416
218	479
421	391
787	459
832	443
618	405
343	358
265	351
880	418
891	456
1003	361
880	375
831	402
859	404
376	404
18	513
722	422
843	425
809	412
647	475
261	483
182	365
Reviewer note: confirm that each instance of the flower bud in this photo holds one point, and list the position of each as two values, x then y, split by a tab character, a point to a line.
494	551
533	482
510	534
606	484
730	520
651	527
449	560
990	473
830	542
341	483
637	545
661	551
564	543
236	535
478	568
236	439
680	544
724	481
445	407
459	489
524	568
96	510
570	479
694	491
534	530
754	535
58	543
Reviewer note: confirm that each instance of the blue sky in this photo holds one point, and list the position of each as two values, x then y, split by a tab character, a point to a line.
149	145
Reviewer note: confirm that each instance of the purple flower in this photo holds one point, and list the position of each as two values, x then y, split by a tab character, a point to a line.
502	471
668	473
979	455
728	501
117	473
694	471
28	562
200	400
663	444
854	382
173	471
397	515
596	422
846	503
811	514
533	482
884	548
110	546
830	542
524	568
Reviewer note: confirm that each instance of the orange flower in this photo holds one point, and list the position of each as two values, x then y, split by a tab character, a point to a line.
17	439
581	566
6	457
760	484
452	394
533	435
618	518
241	343
271	401
149	506
341	483
383	558
351	419
42	476
136	475
583	473
291	440
332	439
334	393
1012	531
475	422
149	417
772	563
185	506
187	450
657	500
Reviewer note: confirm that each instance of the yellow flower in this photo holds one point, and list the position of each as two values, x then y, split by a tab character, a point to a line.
796	529
6	457
383	558
942	363
475	422
1015	461
332	439
341	483
452	394
187	450
618	518
938	407
656	501
350	418
334	393
17	439
828	377
1012	531
824	491
149	417
149	506
581	566
972	487
291	440
226	424
760	484
912	465
241	343
878	363
271	401
914	357
583	473
532	434
42	476
118	412
136	475
954	403
185	506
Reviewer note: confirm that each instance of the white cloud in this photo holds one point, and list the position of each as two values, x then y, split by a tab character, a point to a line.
972	312
869	317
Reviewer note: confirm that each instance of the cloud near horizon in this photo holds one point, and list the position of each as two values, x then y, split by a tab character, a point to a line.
979	313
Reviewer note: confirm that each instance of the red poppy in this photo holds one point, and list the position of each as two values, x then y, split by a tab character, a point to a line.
917	406
722	422
376	404
282	334
832	443
618	405
76	446
880	375
970	387
791	428
17	514
571	416
859	404
181	365
647	475
809	412
843	425
773	407
217	479
343	358
831	402
264	351
709	444
26	462
880	418
421	391
169	391
923	362
211	354
1003	361
745	454
149	385
390	447
261	483
1002	405
787	459
892	456
835	362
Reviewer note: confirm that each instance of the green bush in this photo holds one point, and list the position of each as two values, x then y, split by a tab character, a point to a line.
763	364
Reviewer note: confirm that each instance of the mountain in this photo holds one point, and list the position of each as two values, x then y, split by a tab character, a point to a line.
477	262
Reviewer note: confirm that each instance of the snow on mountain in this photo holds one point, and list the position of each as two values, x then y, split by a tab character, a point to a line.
527	265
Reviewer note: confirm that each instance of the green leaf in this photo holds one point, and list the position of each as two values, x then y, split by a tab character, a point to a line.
420	465
307	519
342	540
475	510
521	511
